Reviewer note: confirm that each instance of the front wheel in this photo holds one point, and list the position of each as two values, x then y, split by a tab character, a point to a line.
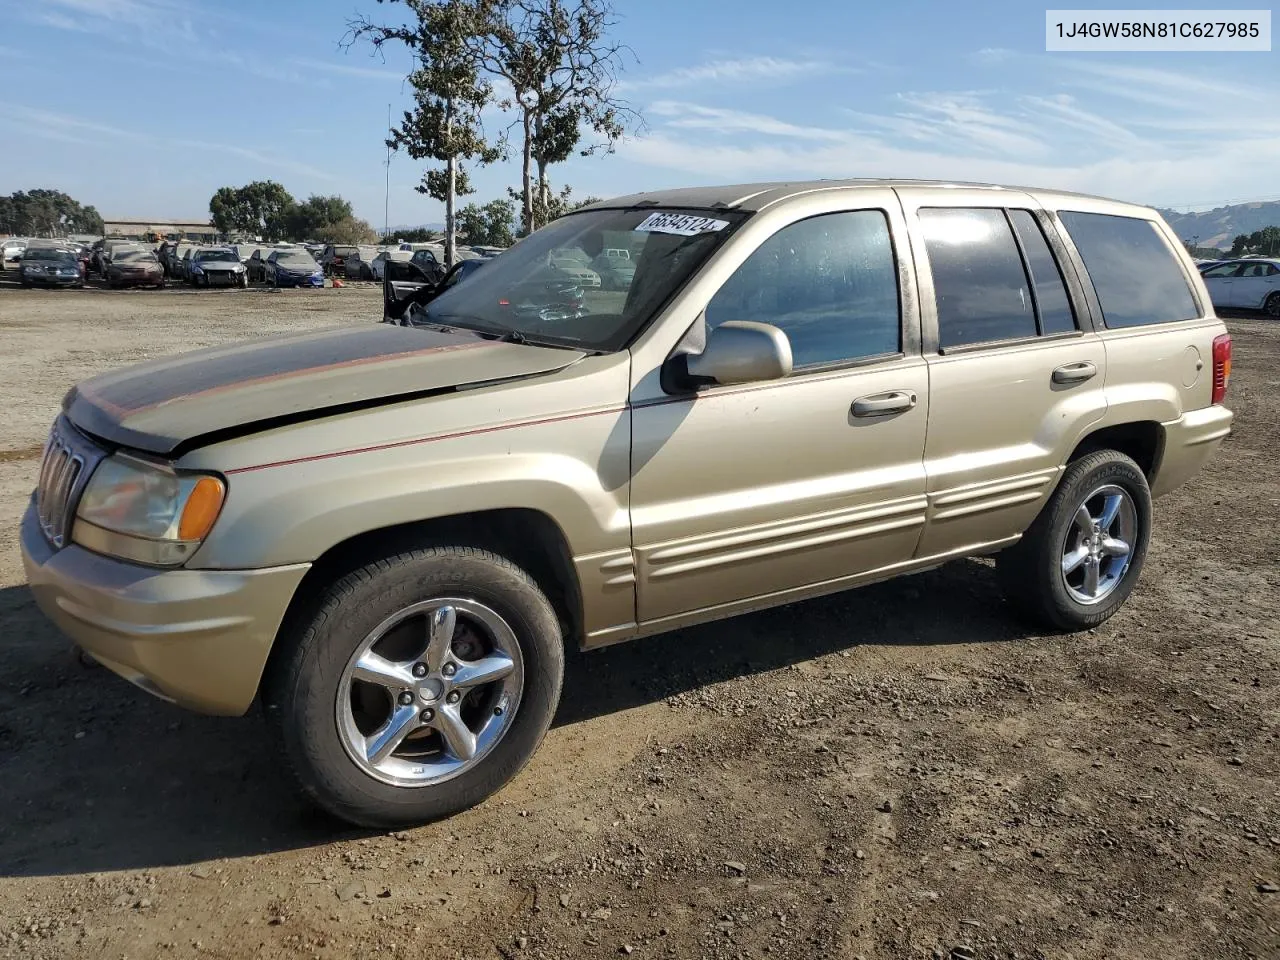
422	685
1082	556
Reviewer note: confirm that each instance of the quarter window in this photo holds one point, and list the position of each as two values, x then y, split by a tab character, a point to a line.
1134	273
1052	302
979	283
829	282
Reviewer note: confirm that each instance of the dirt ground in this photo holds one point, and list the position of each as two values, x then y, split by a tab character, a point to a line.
897	772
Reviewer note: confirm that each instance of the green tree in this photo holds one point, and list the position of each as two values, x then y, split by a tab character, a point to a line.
491	225
552	205
47	213
561	68
311	218
259	208
416	235
1240	244
449	94
348	230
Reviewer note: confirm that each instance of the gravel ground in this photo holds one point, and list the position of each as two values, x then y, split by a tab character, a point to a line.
900	771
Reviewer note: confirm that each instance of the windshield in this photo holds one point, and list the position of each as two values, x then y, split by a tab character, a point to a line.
292	259
46	253
221	256
133	256
534	290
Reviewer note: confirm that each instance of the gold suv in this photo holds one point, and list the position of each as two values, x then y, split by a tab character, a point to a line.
388	534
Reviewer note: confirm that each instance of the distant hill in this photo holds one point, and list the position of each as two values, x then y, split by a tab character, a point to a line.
1218	227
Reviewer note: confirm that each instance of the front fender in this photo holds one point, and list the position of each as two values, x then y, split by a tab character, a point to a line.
301	512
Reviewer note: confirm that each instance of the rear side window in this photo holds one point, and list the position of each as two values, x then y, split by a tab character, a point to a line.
1056	315
980	285
830	282
1134	273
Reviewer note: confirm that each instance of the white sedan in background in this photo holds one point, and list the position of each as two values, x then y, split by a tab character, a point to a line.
1252	284
378	264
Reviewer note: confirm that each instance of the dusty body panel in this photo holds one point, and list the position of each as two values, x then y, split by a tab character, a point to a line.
676	505
558	444
155	406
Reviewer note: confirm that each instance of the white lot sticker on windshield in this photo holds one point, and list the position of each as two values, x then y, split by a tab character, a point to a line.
681	224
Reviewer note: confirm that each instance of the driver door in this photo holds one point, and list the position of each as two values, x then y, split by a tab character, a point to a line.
761	490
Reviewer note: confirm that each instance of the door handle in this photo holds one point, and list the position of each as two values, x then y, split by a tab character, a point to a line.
1075	372
884	404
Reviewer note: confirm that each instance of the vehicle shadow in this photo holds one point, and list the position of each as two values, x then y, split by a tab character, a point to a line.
96	776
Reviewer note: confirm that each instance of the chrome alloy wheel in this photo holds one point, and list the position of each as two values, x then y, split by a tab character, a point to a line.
1099	544
430	692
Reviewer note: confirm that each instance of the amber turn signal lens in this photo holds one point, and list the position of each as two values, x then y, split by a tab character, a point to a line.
201	509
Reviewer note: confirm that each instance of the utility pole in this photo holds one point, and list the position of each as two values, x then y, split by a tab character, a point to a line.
386	206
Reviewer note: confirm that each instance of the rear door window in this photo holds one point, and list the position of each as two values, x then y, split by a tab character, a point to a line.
1136	276
1052	302
982	291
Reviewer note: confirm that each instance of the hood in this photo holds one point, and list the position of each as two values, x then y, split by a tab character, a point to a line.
213	266
231	390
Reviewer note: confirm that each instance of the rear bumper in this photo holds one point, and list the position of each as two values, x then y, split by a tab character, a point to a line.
197	637
1189	443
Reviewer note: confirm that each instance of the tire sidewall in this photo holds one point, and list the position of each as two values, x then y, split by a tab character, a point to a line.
356	606
1082	477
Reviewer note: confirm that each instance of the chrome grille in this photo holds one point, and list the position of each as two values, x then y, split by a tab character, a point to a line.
62	475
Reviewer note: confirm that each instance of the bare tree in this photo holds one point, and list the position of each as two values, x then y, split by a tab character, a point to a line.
450	92
561	68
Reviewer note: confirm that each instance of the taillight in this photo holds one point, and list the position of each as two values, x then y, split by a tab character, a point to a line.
1221	366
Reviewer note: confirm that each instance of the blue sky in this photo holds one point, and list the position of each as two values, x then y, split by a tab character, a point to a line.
144	107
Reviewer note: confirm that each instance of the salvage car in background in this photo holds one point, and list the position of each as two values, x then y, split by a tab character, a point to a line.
216	267
378	264
334	259
358	265
1252	284
134	267
50	266
293	268
12	249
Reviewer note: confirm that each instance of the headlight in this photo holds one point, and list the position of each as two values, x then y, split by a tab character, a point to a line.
196	269
143	511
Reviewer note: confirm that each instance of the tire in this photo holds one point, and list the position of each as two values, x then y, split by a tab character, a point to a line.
309	693
1272	306
1032	571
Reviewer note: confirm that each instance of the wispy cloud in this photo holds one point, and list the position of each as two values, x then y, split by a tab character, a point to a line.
77	129
691	116
738	71
1107	145
148	22
346	69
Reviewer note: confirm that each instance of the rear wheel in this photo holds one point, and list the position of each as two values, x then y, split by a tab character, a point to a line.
1082	556
1272	306
421	686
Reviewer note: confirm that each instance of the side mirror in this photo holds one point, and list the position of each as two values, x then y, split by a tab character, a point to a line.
742	351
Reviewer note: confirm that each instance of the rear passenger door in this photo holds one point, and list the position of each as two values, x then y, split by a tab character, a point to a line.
1015	373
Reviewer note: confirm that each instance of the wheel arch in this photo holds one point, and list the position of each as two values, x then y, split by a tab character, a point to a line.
1140	440
528	538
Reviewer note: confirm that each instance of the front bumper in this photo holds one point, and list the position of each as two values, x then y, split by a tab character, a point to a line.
197	637
290	280
50	280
